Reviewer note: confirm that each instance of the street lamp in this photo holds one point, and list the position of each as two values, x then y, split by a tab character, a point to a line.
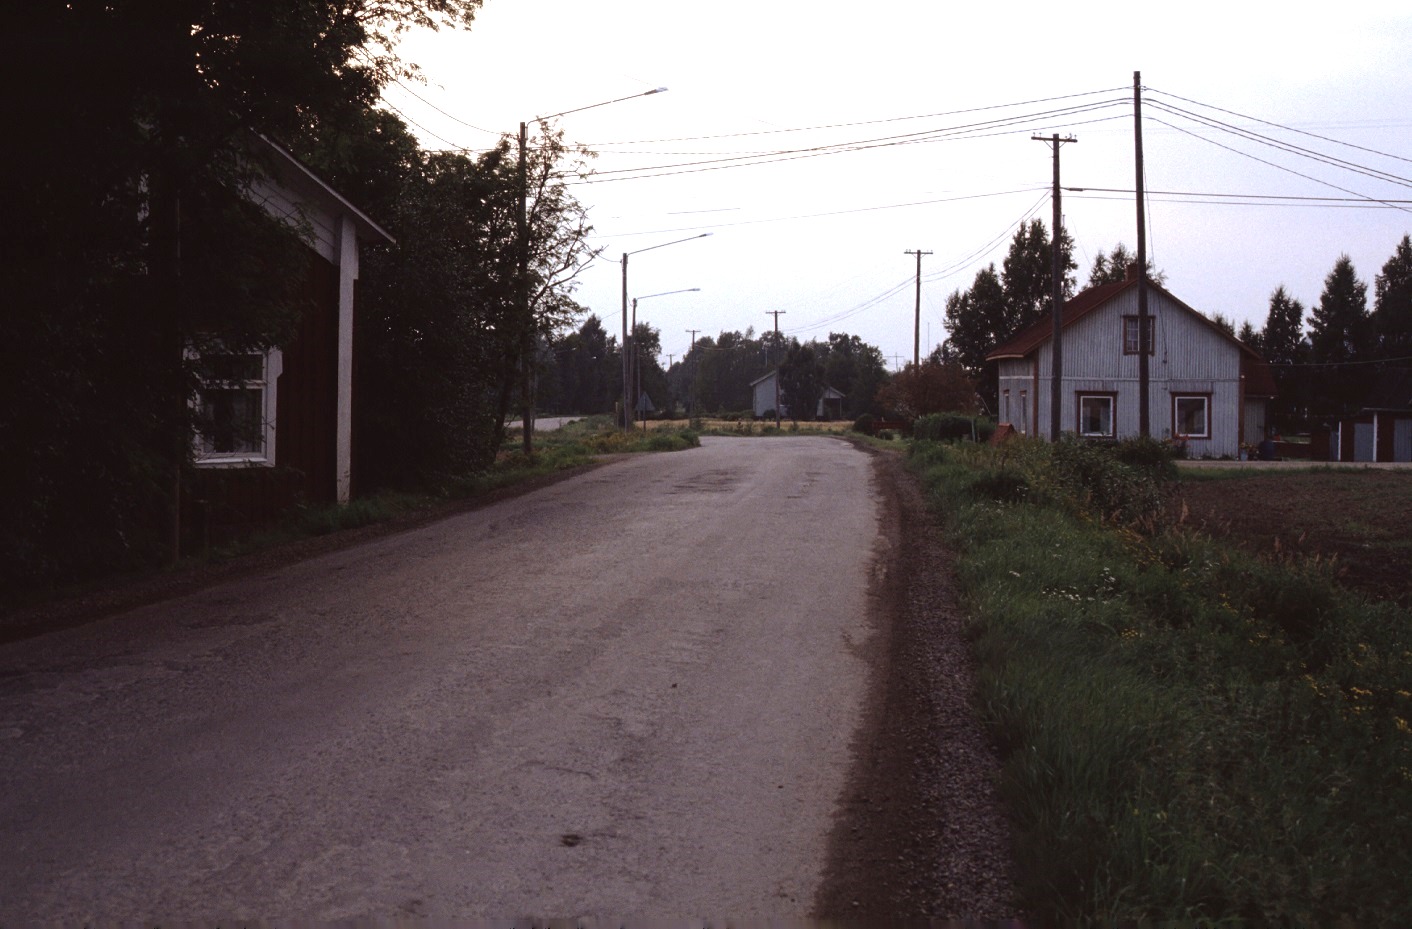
627	384
522	294
637	369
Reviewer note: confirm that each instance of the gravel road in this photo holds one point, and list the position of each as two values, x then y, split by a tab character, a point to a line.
672	687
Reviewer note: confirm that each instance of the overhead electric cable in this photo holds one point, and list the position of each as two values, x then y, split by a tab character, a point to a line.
1279	167
1313	135
871	122
1287	147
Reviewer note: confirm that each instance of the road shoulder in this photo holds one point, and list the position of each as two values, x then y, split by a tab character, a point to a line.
920	832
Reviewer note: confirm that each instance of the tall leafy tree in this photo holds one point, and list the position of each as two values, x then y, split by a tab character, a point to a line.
801	380
978	320
933	387
1392	305
1028	274
125	240
1112	268
855	368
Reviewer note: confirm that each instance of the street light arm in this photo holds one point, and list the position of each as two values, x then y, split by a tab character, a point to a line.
664	293
592	106
665	244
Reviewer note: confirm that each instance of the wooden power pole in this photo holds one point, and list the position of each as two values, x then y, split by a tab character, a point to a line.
1144	325
1056	364
776	314
917	319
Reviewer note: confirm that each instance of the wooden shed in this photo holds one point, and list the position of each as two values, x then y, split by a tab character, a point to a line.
1382	430
275	429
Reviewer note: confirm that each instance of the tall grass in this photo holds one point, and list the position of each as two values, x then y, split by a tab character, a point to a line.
1189	734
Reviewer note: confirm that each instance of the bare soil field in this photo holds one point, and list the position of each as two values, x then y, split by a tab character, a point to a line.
1362	519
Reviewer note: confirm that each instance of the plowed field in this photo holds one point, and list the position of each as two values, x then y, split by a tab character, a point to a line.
1361	518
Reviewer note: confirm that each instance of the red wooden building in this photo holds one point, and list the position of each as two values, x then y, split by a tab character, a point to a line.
275	430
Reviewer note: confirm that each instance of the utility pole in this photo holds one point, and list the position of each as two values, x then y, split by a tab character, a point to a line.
692	410
1144	419
917	322
776	314
1056	363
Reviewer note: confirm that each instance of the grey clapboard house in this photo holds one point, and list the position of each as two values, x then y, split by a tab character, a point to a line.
1206	389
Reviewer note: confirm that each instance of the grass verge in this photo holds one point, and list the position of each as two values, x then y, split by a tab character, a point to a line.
1190	734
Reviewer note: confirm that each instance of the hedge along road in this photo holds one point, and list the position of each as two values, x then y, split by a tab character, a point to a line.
631	692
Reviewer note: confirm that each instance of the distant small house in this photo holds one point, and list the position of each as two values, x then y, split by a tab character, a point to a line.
763	393
288	410
1206	389
1382	431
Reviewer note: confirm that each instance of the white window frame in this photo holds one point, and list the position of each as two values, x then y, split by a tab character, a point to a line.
1130	344
1205	400
1112	402
271	366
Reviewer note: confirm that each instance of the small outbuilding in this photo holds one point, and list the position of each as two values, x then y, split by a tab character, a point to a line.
275	428
764	394
1382	430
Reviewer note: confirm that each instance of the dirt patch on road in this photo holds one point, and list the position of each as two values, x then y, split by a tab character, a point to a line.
921	833
1358	518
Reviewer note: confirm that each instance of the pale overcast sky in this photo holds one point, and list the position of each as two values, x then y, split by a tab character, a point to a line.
823	237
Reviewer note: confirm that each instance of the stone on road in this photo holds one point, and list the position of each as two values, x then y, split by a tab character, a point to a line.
631	692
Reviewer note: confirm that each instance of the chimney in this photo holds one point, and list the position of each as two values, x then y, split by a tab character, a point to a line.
1132	271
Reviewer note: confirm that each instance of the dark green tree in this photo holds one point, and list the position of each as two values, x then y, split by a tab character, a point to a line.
1282	340
125	240
1028	274
650	378
1285	348
854	368
801	381
1112	268
1341	341
978	320
590	370
1392	305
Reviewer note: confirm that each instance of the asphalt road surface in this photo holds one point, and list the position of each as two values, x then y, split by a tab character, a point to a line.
631	692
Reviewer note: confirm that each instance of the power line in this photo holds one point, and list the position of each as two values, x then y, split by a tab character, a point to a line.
1313	135
871	122
928	135
1287	147
1279	167
802	216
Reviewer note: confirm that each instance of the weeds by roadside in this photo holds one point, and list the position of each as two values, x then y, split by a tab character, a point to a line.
1191	734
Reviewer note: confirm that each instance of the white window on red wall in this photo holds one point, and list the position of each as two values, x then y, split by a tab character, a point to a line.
234	408
1191	416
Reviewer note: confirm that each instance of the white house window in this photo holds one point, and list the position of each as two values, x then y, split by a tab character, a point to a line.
1192	416
1005	406
1130	335
234	408
1024	413
1096	416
